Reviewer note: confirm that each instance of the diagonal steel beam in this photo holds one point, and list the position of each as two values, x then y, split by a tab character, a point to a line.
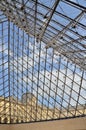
48	21
65	28
72	3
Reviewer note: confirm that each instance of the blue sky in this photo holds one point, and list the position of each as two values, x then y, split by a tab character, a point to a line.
43	70
46	72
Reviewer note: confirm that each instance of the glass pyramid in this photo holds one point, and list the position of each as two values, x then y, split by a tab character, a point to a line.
42	60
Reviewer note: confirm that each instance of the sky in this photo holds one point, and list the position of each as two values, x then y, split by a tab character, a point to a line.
47	75
41	76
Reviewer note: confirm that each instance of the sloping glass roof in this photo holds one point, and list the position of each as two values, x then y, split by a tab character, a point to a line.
42	60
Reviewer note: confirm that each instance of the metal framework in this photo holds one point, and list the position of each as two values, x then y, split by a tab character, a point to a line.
42	60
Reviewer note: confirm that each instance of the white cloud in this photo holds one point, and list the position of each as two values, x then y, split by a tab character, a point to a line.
24	60
45	77
47	83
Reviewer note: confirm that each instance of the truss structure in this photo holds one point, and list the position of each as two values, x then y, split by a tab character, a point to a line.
42	60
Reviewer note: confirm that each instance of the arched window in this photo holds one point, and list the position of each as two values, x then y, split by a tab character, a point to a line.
17	120
0	119
22	121
5	120
12	120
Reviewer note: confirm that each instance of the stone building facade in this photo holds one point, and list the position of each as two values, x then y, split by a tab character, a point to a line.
13	111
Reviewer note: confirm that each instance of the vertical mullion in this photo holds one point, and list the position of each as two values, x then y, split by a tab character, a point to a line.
57	86
71	90
22	70
64	88
32	81
43	85
16	78
9	69
3	72
79	93
13	62
17	46
27	83
49	96
58	80
38	79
